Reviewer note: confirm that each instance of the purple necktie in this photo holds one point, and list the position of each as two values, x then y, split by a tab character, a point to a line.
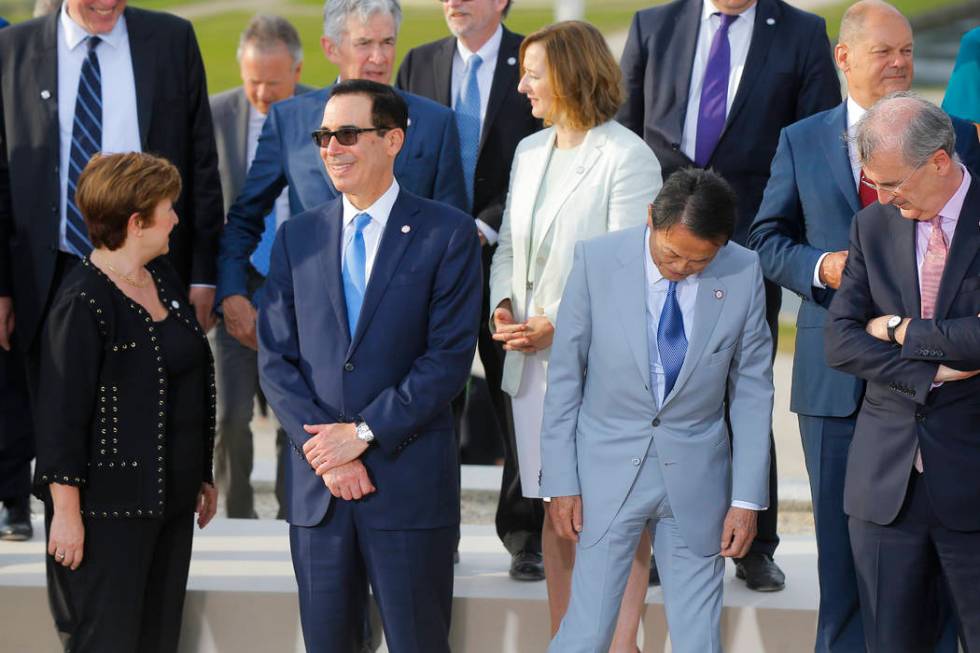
714	93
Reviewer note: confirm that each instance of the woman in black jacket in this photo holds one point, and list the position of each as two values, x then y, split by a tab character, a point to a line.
126	421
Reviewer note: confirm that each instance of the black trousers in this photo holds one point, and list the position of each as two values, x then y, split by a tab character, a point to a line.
16	431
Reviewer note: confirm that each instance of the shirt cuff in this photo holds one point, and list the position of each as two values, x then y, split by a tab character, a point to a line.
487	231
748	506
817	283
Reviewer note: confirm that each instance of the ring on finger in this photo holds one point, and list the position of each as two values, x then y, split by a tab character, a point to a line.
59	555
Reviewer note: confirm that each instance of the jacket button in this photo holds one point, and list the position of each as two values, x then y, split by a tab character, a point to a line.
349	367
656	421
636	462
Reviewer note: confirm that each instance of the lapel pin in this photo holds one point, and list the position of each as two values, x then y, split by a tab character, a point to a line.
406	228
719	294
770	21
175	304
409	122
511	61
45	94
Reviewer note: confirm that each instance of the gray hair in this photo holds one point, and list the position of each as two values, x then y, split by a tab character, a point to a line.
45	7
905	121
336	13
265	33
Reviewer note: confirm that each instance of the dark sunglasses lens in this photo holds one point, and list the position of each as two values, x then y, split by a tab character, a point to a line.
346	136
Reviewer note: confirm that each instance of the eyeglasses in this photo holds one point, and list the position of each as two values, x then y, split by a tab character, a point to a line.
892	191
346	136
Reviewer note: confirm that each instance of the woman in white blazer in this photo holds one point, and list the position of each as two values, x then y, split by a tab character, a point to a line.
583	176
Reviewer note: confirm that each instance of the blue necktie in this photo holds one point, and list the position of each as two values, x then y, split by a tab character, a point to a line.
355	265
714	94
261	255
671	341
86	140
468	122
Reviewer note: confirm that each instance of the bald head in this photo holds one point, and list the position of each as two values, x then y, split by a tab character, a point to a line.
874	51
855	19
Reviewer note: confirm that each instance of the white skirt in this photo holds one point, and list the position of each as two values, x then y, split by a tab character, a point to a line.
528	407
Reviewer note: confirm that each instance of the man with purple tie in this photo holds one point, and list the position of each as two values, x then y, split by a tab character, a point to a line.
710	83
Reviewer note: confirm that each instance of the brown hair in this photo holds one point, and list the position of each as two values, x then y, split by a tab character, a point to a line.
114	186
586	79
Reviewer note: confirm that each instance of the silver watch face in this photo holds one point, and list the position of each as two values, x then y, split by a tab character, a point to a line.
894	321
364	433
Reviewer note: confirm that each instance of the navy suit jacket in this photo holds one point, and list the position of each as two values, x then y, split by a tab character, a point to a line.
900	410
428	165
409	355
807	210
789	75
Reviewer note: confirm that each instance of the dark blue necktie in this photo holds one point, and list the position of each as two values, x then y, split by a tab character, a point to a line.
671	341
354	271
86	140
714	94
467	112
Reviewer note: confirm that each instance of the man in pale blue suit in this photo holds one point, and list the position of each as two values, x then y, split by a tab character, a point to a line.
658	328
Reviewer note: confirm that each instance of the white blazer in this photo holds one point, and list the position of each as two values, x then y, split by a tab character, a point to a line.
613	179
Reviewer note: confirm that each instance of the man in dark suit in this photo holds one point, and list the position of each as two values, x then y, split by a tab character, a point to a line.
801	234
270	58
441	71
359	37
54	72
699	98
905	320
367	330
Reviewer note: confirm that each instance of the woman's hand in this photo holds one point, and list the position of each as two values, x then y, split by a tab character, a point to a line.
207	504
534	335
66	537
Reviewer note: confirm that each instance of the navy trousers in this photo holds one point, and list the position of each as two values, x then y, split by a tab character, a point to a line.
410	573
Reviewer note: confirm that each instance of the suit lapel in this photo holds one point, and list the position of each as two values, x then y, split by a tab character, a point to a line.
143	52
331	227
681	58
762	35
394	243
442	72
629	283
966	244
835	149
505	79
46	78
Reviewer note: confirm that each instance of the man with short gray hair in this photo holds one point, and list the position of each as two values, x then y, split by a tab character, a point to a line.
270	59
913	472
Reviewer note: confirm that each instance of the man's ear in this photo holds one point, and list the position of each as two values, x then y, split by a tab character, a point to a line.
395	140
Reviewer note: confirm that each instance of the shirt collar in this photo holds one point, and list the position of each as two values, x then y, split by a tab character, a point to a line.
854	113
487	53
654	276
708	9
379	211
75	34
954	206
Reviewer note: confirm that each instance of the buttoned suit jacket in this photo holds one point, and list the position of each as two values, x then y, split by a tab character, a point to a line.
788	75
900	411
409	355
174	122
601	413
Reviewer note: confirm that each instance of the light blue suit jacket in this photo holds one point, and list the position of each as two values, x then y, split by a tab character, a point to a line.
600	411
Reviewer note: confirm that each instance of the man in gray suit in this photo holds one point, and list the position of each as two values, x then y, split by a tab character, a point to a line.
270	57
656	327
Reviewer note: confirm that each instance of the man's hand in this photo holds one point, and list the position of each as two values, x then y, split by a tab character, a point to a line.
6	322
240	319
832	268
202	299
947	375
482	237
738	532
332	445
350	481
565	514
207	504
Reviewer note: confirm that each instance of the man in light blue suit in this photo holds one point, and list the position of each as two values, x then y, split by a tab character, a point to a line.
367	329
657	326
359	38
801	233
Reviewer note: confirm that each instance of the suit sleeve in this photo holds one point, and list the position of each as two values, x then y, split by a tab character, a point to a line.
566	384
954	342
436	377
750	397
633	65
246	218
820	87
449	185
206	198
850	349
777	232
283	381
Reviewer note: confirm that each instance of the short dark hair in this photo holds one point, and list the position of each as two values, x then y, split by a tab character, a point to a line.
698	199
388	109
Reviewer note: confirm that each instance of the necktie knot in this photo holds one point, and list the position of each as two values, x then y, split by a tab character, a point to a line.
361	221
93	42
726	20
473	64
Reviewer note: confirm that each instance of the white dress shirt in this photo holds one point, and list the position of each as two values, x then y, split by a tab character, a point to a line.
484	79
120	122
255	122
687	293
379	212
739	39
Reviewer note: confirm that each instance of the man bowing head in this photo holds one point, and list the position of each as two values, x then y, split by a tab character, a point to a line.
367	327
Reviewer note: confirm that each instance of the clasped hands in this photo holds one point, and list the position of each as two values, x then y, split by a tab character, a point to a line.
333	451
526	337
878	328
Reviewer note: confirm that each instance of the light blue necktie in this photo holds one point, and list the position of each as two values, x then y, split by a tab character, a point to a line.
86	140
355	265
468	122
262	254
671	341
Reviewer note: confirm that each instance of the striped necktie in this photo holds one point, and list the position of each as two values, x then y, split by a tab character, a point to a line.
86	141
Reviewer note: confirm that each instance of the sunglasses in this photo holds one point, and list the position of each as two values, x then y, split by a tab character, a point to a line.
346	136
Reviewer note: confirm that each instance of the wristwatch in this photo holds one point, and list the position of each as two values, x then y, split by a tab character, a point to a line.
364	432
893	323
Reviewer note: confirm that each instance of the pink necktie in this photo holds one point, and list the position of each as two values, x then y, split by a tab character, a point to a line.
930	277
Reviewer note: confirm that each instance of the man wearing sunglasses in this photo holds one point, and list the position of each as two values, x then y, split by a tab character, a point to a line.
367	330
359	38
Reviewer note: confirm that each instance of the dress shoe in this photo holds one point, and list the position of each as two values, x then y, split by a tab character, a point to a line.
760	573
526	565
15	524
654	574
